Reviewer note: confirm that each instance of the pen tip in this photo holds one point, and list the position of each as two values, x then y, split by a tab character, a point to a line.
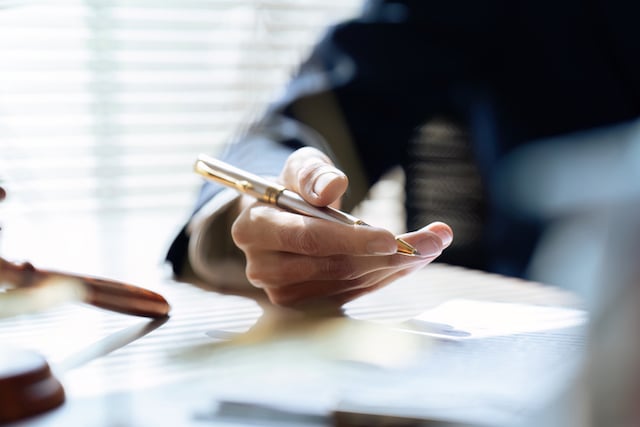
405	248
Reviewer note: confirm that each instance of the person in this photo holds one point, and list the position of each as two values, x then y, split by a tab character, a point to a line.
502	73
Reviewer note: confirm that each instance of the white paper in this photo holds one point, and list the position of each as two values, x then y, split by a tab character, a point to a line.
468	319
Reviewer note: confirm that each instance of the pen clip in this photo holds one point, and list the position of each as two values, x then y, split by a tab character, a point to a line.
242	181
204	169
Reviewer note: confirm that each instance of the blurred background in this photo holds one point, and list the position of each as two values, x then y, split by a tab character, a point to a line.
104	106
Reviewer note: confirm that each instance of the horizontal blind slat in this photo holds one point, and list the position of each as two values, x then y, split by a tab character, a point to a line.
106	104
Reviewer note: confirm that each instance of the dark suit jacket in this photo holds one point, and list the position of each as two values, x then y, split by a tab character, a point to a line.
510	71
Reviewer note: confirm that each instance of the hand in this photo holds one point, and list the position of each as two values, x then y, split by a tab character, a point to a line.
299	260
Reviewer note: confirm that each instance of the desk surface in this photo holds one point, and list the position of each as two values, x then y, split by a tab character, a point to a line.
129	371
105	359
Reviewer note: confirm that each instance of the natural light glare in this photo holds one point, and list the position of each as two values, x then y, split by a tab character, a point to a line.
115	99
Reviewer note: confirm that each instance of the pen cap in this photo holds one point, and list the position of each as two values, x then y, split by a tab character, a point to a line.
241	180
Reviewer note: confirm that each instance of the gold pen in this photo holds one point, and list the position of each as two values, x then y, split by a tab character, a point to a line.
276	194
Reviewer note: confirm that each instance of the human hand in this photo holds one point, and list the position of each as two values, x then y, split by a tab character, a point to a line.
299	260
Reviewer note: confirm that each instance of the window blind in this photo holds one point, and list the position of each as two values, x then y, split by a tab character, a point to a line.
105	104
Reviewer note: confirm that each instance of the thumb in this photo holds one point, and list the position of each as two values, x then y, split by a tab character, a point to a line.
310	173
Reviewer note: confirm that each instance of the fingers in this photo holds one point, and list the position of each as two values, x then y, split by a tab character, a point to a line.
333	292
263	228
279	270
310	173
293	279
443	231
430	240
298	259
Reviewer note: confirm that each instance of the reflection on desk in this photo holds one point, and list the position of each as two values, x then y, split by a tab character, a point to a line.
226	360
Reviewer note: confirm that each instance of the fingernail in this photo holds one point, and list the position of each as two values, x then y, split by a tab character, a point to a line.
381	247
445	236
323	181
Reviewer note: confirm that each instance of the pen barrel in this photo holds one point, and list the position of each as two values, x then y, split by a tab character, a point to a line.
276	194
243	181
294	202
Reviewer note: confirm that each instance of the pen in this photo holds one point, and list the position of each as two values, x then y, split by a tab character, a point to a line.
276	194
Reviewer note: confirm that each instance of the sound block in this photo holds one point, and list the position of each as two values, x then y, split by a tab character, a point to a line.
27	385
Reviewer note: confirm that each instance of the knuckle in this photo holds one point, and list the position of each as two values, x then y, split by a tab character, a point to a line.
307	172
246	227
255	275
239	233
309	154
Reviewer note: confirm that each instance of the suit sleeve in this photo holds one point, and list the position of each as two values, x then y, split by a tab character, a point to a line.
364	90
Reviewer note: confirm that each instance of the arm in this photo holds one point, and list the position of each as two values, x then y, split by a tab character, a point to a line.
358	99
